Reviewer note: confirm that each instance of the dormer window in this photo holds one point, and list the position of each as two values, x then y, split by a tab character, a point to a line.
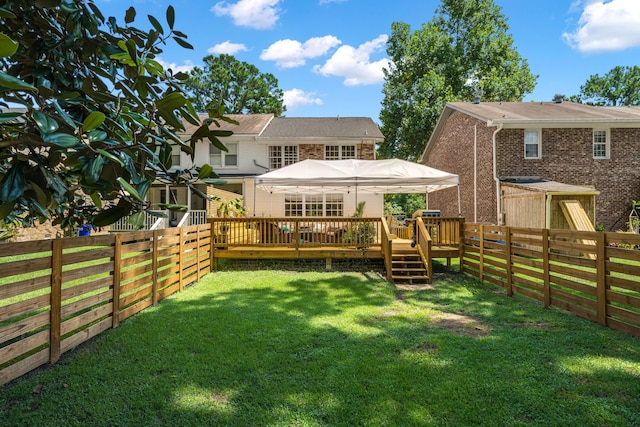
601	144
532	145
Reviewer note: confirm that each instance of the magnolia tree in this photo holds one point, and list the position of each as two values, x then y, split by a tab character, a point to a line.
98	113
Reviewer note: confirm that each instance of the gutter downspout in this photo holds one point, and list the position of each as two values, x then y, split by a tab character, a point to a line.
475	175
495	176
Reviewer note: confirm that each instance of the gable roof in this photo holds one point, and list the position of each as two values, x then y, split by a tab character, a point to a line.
519	115
547	113
323	127
248	124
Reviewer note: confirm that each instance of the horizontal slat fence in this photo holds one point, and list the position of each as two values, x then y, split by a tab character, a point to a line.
56	294
590	274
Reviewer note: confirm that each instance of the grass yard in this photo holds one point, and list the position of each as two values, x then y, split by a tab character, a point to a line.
283	348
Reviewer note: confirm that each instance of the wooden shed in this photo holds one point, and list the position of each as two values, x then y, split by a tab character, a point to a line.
537	203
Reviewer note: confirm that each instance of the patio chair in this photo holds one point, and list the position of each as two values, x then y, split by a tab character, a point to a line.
271	233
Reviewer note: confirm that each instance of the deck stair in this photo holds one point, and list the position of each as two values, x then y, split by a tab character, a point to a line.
407	266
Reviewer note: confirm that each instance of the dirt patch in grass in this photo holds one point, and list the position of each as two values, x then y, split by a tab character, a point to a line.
535	325
461	324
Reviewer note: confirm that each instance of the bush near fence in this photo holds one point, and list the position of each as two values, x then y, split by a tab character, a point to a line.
56	294
591	274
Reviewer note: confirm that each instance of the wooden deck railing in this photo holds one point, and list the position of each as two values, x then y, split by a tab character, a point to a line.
387	249
296	232
423	243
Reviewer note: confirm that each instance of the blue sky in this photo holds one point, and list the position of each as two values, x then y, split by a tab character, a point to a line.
328	54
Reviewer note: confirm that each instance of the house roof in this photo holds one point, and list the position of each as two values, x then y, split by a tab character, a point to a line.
550	186
248	124
323	127
548	113
537	114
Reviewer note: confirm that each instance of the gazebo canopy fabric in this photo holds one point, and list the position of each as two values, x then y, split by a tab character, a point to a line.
360	176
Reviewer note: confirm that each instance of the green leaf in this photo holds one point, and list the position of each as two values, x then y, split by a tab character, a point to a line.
205	171
172	101
7	46
137	219
6	13
155	24
129	189
110	156
109	216
6	209
171	16
183	43
95	198
15	83
96	135
130	15
41	196
46	124
93	120
13	183
9	117
63	140
173	207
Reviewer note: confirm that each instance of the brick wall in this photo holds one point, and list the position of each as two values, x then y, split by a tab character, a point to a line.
316	151
567	157
454	153
311	151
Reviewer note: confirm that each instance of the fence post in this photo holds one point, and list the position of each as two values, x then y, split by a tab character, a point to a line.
154	275
481	269
546	287
213	262
461	242
117	269
507	239
181	261
601	278
56	301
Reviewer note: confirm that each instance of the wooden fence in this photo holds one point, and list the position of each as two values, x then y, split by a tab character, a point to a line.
593	275
56	294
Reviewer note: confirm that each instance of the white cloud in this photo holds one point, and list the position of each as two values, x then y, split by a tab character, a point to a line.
606	25
289	53
354	64
258	14
228	48
295	98
331	1
185	68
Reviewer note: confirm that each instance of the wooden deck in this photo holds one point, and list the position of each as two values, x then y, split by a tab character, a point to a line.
331	238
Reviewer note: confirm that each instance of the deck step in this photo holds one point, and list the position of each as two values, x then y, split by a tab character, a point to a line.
407	267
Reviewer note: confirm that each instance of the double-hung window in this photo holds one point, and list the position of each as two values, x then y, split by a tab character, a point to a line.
314	205
339	152
532	144
600	144
282	155
222	159
175	156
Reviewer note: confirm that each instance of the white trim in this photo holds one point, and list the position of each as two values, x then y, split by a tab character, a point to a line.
607	143
538	131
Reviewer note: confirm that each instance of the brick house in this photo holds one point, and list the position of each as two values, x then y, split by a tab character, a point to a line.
490	144
262	142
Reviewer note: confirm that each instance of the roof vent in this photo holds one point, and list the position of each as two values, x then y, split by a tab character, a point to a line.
557	98
476	100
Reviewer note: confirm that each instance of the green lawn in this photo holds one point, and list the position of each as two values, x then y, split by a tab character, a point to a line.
283	348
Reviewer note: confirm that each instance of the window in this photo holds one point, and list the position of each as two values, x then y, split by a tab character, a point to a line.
313	205
175	156
532	144
293	205
282	155
339	152
334	205
220	158
600	144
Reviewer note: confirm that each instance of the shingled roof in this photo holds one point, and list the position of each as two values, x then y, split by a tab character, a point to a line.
248	124
322	127
495	113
